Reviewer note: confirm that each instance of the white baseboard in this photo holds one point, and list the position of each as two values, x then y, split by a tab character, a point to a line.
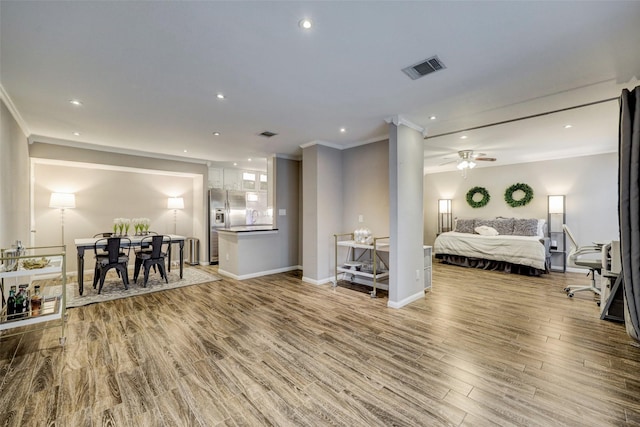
408	300
317	282
257	274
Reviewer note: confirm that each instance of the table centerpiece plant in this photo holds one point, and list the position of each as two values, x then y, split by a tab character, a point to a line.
121	226
141	225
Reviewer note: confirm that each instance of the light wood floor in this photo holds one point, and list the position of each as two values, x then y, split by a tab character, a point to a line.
484	348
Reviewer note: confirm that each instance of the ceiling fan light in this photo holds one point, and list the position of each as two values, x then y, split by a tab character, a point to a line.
462	165
471	165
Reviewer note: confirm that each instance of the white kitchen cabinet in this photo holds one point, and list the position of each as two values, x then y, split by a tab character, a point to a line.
249	180
216	178
264	183
232	179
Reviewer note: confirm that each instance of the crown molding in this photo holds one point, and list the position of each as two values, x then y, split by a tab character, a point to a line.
14	111
286	156
348	146
400	120
323	143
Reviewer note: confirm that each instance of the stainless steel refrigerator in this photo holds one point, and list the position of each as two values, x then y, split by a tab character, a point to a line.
236	208
227	208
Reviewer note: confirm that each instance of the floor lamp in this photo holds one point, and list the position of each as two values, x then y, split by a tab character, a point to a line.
62	201
175	203
444	214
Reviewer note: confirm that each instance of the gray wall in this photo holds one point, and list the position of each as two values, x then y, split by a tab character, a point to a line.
590	184
14	181
365	171
287	180
338	187
61	152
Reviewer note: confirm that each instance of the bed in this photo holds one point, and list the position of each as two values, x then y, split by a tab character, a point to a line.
507	244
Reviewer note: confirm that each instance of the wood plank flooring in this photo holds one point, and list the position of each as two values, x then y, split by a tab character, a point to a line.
482	349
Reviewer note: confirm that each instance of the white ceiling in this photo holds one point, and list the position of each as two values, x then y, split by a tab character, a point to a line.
148	74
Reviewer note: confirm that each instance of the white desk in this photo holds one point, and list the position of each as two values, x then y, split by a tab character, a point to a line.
89	243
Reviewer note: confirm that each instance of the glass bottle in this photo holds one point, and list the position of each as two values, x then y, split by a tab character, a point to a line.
11	303
19	301
36	301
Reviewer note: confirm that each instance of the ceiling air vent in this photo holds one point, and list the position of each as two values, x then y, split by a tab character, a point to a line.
423	68
268	134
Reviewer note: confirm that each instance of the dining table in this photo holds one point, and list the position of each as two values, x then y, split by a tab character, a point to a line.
82	244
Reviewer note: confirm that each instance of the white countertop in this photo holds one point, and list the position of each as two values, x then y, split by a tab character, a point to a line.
248	228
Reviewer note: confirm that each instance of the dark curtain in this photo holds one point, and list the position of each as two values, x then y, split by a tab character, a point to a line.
629	205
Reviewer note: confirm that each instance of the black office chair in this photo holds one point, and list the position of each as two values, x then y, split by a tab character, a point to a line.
116	256
155	255
584	257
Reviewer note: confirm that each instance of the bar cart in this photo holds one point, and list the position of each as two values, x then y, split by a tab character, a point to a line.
17	272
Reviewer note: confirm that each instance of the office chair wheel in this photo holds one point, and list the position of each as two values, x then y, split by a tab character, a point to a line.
570	294
567	289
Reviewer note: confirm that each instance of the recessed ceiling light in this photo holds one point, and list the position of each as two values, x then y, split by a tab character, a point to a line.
75	102
235	164
76	133
185	151
464	137
568	126
249	159
432	118
220	96
305	24
216	134
343	130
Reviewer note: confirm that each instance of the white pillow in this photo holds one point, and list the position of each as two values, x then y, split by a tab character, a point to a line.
485	230
541	227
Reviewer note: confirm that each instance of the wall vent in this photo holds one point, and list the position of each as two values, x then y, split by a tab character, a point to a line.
268	134
423	68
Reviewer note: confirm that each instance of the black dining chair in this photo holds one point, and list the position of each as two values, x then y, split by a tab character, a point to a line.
115	255
154	255
106	234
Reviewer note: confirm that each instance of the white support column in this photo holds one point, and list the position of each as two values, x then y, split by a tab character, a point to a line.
406	260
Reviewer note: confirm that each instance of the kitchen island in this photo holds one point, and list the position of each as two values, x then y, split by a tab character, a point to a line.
250	251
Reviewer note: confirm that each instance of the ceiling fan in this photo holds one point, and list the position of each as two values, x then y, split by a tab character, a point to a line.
467	160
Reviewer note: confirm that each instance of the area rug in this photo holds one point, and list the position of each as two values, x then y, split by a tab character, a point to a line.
114	289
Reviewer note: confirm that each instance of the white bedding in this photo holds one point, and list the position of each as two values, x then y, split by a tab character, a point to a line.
523	250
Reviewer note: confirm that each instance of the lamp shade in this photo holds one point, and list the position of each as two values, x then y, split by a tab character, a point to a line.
175	203
556	204
62	200
444	206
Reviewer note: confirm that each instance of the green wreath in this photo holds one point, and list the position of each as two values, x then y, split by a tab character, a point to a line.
528	195
480	203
